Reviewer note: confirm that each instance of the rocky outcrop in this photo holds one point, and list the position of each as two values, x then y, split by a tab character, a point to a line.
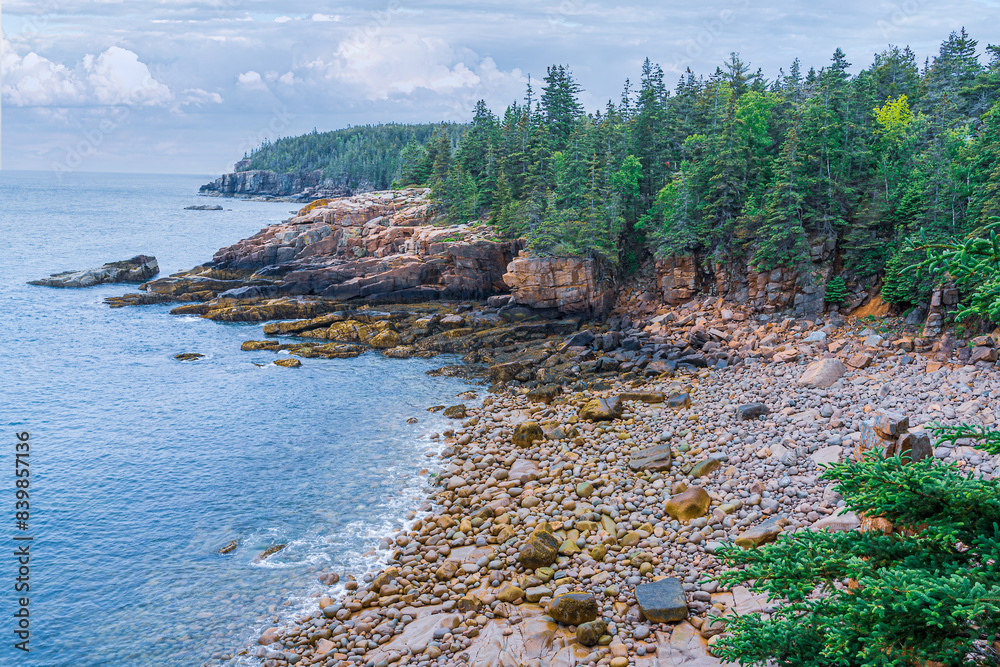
570	285
681	278
944	302
266	183
381	247
134	270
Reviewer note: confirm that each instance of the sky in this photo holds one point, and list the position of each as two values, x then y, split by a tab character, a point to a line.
188	86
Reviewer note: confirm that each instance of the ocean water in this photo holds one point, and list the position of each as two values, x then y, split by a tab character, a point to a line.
142	467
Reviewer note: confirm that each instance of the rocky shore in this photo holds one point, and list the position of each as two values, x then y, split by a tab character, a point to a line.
625	434
296	186
576	512
134	270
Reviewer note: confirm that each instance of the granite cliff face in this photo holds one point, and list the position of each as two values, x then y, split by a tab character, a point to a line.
296	185
379	247
572	286
799	292
394	247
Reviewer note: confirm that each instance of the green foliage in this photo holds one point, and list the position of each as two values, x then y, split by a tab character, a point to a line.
927	593
728	164
836	290
974	263
364	156
903	286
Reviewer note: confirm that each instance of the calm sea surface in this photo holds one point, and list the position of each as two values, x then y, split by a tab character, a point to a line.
142	467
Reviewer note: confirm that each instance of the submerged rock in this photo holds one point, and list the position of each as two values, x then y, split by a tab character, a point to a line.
188	356
203	207
288	363
229	547
270	551
134	270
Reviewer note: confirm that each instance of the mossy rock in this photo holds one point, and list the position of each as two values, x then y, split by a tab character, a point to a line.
573	608
527	433
688	505
455	412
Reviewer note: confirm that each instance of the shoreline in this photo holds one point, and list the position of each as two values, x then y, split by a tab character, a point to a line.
455	591
375	529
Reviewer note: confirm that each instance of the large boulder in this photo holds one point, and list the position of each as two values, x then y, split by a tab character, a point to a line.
602	409
652	459
750	411
589	634
688	505
136	270
573	608
823	373
527	433
662	601
540	549
762	534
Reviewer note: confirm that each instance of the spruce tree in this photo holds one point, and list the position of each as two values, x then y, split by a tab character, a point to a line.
781	236
560	105
985	170
926	593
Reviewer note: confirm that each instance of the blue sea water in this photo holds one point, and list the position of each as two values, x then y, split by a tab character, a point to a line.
142	467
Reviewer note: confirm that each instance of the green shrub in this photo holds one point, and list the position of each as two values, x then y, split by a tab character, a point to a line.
836	291
928	593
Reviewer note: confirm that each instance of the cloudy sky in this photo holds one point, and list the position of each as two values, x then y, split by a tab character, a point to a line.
186	86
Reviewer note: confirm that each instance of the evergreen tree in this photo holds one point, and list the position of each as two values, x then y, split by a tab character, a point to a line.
926	593
985	170
781	236
560	105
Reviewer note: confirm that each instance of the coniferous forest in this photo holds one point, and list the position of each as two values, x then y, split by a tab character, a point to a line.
733	165
362	156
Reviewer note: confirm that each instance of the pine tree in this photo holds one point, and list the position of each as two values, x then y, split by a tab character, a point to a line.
414	169
985	170
781	238
560	105
836	291
951	79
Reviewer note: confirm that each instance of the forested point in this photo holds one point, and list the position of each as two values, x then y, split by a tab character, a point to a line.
733	166
361	157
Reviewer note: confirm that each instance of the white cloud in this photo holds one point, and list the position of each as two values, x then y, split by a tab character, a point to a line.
323	18
118	77
283	19
403	64
199	97
114	77
251	80
34	80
